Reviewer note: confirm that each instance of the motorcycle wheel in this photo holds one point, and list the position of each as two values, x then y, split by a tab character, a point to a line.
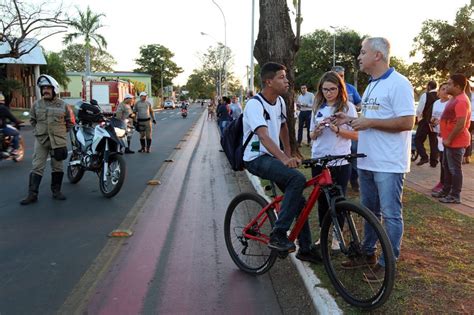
74	172
21	152
115	175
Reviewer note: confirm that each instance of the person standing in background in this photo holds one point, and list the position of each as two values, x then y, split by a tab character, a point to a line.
305	104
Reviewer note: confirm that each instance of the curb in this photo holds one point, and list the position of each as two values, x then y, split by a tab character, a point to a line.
323	302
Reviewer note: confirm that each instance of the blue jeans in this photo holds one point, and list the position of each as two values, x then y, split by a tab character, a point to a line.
452	160
382	194
222	125
7	131
292	183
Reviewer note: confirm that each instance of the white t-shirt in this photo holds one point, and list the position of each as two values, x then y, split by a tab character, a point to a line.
254	118
390	96
328	143
438	108
306	101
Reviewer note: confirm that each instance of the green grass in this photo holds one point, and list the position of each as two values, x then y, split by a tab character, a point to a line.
435	273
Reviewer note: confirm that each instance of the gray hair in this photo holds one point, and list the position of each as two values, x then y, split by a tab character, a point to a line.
381	45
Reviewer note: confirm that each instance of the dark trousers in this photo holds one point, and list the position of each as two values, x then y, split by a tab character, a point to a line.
452	160
340	176
353	170
304	120
422	132
469	148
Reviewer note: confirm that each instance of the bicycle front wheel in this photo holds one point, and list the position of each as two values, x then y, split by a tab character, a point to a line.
350	270
247	243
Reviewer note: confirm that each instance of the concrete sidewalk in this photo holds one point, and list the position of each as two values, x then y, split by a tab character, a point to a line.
424	178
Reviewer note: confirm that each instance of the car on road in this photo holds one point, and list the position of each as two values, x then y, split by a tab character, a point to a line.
169	104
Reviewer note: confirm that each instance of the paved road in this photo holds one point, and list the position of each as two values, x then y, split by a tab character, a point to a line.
177	262
45	248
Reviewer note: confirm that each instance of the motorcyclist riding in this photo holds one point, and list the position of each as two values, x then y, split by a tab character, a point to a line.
5	114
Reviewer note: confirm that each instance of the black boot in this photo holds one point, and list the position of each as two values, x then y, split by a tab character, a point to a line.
142	143
127	150
148	145
33	187
56	182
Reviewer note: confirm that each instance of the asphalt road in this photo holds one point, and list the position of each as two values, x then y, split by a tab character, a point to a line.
46	247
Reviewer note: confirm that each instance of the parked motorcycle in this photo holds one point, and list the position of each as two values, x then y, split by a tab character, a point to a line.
6	148
184	112
97	144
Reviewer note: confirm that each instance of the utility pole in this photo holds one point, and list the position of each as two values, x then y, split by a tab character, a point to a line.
334	46
252	44
162	91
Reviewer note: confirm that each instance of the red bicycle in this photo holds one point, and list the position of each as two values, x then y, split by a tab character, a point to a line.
250	218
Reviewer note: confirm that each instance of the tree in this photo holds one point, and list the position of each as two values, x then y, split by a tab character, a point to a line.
277	42
101	61
315	55
24	25
152	58
447	48
86	26
55	67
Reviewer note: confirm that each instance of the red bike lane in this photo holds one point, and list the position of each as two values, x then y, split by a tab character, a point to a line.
176	262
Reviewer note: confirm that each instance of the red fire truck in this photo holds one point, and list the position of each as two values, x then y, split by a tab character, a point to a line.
108	93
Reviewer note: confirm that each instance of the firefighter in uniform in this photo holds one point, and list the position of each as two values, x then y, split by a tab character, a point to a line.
51	119
145	116
125	112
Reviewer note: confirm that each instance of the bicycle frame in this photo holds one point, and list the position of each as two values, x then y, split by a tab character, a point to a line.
319	183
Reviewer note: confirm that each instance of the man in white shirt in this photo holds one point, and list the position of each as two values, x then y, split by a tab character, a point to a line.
235	108
264	115
304	104
388	116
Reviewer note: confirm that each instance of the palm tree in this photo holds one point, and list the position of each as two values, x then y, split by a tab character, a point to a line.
86	26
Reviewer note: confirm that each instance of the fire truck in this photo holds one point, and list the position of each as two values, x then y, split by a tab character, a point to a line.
108	93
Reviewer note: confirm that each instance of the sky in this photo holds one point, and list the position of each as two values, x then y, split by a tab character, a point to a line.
177	25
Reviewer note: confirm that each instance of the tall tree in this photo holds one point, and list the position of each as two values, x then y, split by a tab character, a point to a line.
153	59
277	42
73	57
447	48
86	26
24	25
56	68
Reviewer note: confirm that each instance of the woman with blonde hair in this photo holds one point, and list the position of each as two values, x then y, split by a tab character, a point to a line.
328	138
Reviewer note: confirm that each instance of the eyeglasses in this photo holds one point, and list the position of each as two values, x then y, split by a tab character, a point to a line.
333	89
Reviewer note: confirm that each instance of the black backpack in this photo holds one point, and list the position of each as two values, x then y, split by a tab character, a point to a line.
232	138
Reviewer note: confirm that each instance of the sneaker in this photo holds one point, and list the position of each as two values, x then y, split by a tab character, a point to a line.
281	243
439	194
128	151
422	161
358	262
312	255
437	188
450	199
375	275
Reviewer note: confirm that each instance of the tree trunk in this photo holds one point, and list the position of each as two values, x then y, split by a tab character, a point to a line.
276	42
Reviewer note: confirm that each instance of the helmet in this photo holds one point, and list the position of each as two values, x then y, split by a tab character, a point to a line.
2	98
47	80
143	94
128	96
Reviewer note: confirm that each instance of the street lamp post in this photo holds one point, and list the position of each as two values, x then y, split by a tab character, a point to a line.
252	43
225	46
162	91
334	46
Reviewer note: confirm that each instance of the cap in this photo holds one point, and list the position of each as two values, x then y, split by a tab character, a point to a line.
143	94
127	96
2	98
338	69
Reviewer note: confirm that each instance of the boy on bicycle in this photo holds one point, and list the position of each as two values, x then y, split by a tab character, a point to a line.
265	116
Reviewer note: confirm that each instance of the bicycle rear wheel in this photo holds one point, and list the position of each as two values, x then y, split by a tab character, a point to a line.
352	282
248	248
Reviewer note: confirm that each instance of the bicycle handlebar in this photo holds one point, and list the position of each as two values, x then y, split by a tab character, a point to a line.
328	158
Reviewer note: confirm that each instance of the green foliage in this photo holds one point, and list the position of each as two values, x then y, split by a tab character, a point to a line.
73	58
447	48
152	58
86	26
56	68
7	86
139	86
315	57
199	85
